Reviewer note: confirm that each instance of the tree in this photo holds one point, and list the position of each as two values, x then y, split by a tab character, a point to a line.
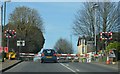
114	45
24	16
63	46
84	21
107	16
29	27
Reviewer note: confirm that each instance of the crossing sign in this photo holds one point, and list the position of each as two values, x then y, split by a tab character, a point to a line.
10	33
112	54
106	35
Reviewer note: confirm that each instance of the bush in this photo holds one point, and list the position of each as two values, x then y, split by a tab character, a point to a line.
114	45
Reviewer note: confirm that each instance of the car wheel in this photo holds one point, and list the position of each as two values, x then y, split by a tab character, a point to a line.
55	61
42	61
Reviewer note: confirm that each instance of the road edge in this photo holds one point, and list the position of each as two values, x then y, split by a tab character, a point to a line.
115	68
3	70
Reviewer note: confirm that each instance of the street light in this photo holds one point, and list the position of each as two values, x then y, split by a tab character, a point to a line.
1	7
94	7
5	1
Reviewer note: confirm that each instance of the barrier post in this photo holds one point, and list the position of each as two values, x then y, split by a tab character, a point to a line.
108	60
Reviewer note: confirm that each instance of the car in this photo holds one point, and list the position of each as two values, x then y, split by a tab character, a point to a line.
69	58
48	55
37	57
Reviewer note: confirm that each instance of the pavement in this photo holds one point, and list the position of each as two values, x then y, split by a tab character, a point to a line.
114	66
7	64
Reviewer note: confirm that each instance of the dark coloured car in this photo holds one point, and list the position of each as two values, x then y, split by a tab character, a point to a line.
48	55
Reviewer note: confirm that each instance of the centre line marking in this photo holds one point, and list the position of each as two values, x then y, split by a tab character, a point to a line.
77	70
67	67
67	64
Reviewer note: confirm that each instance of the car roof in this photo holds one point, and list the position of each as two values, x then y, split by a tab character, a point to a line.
45	49
48	49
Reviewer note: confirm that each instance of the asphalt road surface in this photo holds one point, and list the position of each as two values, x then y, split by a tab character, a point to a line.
59	67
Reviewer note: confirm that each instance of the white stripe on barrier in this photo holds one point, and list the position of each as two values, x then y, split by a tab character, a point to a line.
26	56
64	54
73	54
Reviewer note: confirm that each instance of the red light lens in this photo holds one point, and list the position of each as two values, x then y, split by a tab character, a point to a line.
54	54
42	54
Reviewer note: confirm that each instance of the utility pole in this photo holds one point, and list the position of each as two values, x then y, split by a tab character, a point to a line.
71	40
95	32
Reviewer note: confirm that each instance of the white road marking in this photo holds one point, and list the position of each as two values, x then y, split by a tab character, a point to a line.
67	64
67	67
77	70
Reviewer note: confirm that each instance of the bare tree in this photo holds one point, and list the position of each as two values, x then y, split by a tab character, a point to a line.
84	21
63	46
107	16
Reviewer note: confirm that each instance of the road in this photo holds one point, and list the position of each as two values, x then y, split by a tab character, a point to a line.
72	67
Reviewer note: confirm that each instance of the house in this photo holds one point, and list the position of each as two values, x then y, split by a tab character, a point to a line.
82	47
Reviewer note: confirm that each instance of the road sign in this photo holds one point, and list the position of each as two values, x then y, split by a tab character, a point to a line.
21	43
112	54
10	33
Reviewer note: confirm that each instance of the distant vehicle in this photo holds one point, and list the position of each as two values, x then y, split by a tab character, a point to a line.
37	58
69	57
48	55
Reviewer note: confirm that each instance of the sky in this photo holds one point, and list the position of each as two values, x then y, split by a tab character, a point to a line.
61	0
58	19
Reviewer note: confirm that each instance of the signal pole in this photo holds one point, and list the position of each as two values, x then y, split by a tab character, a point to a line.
71	40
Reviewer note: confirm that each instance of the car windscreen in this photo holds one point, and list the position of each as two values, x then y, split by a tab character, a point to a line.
49	52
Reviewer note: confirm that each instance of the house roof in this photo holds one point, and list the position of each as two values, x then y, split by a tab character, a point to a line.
79	41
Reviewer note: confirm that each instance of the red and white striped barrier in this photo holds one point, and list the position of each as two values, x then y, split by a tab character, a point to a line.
67	56
27	54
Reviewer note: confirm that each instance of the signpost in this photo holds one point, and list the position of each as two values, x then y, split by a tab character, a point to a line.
19	44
